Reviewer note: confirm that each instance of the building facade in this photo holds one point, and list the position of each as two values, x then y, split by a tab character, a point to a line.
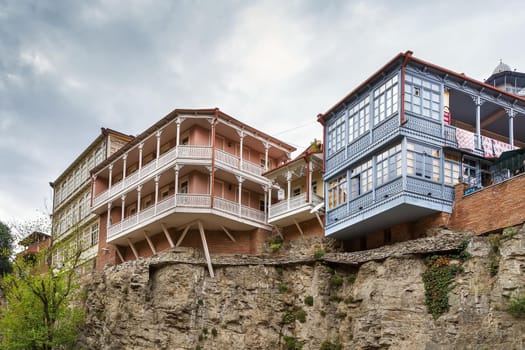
396	146
297	206
73	225
194	178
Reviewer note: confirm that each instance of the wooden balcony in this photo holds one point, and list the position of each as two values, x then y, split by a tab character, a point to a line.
187	205
183	154
297	208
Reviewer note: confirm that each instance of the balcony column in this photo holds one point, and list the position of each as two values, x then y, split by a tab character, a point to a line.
124	159
108	223
241	180
94	188
176	168
158	148
479	102
510	112
269	199
265	189
241	142
266	148
140	157
156	193
139	189
123	205
309	171
289	189
110	176
178	122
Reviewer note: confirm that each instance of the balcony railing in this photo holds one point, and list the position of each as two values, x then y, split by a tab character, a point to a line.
295	202
180	152
184	200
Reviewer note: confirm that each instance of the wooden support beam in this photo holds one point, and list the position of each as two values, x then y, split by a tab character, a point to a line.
228	234
133	248
183	235
319	219
492	118
150	243
119	254
167	234
298	227
205	247
278	231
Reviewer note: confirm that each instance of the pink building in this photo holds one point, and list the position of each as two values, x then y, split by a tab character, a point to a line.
194	178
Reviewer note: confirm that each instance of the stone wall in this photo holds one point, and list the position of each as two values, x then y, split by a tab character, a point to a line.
373	299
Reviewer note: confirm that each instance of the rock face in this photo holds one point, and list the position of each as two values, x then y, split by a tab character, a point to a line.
365	300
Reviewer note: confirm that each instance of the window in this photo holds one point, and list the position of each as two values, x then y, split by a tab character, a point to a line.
337	192
132	209
184	187
451	173
423	161
336	134
261	205
359	119
296	191
94	234
388	165
386	100
164	192
422	97
361	181
314	187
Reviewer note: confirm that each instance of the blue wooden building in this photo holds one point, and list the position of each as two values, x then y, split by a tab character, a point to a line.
398	143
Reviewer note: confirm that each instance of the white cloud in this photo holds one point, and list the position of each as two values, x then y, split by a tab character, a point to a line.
37	61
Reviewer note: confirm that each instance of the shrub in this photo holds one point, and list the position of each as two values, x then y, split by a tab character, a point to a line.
351	278
335	298
327	345
288	318
516	306
309	300
279	270
214	332
283	288
300	315
318	254
336	281
292	343
276	243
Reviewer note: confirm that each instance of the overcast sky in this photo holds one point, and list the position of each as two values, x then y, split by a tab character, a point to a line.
68	68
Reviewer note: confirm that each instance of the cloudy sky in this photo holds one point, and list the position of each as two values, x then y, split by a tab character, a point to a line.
68	68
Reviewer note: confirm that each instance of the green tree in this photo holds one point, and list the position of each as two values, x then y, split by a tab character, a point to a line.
43	310
6	249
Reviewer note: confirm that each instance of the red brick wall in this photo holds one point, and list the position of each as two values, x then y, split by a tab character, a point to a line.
495	207
106	254
310	228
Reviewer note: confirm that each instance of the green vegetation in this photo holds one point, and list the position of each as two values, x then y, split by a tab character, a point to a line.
288	317
495	244
438	283
276	243
351	278
336	281
41	311
283	288
292	343
309	300
509	232
214	332
335	298
349	299
327	345
6	249
300	315
319	253
516	306
279	270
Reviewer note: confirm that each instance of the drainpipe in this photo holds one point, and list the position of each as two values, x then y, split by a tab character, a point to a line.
408	56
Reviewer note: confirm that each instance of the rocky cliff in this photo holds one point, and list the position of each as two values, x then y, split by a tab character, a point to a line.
301	297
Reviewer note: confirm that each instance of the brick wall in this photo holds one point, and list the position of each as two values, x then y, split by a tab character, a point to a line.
310	228
493	208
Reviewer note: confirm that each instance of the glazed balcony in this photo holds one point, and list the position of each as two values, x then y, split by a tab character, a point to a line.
182	154
186	205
